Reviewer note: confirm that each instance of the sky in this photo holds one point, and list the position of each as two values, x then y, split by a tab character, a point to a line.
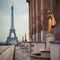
21	22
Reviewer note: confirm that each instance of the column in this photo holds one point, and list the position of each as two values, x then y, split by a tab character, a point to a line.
34	20
30	20
37	21
42	20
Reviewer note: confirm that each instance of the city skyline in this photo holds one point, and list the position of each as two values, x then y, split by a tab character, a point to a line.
20	18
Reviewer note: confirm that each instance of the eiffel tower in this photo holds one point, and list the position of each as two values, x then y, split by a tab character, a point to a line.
10	39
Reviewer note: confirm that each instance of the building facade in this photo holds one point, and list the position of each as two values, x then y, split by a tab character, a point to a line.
38	22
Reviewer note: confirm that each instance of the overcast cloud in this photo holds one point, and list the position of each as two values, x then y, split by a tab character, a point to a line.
20	18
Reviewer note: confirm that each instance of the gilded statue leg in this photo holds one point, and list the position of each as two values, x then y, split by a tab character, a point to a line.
49	26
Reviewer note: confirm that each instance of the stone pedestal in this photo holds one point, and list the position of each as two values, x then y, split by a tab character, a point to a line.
55	50
49	38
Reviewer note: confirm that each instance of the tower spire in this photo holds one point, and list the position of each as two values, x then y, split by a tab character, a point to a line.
12	17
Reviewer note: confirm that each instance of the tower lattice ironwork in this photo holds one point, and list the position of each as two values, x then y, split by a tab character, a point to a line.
10	39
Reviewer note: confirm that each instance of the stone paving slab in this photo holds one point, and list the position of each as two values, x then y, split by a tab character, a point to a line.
3	48
21	54
8	54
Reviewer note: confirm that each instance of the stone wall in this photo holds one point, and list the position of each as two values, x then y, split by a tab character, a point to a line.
55	50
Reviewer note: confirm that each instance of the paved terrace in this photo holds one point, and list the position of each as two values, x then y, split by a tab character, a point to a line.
14	53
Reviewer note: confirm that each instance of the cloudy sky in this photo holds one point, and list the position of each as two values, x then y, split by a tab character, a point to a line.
20	18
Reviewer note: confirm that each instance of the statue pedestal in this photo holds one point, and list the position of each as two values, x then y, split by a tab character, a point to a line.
49	37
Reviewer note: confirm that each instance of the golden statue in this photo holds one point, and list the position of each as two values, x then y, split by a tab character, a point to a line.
51	22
